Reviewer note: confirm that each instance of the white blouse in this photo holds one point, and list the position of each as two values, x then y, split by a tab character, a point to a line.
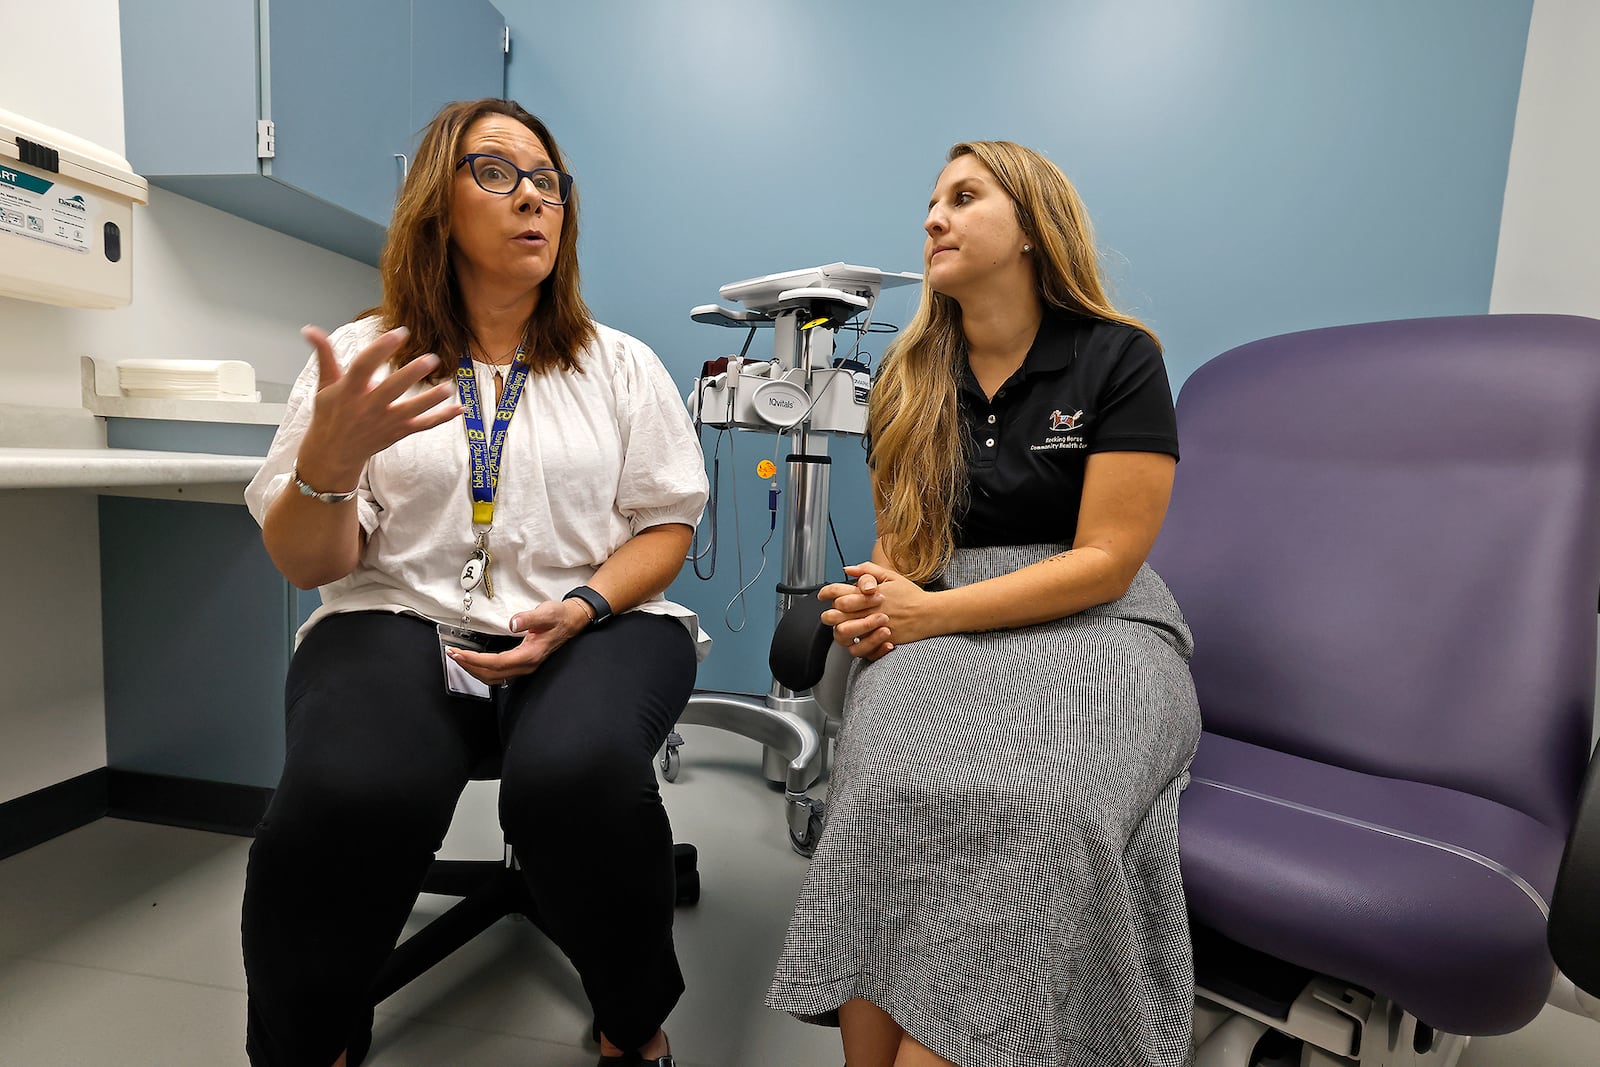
589	461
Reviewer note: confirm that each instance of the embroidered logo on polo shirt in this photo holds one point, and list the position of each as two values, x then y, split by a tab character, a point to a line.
1063	432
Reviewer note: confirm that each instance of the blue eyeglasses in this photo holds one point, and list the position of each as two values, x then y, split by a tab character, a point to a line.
495	174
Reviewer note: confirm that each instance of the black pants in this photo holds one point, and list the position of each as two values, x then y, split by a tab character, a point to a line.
378	754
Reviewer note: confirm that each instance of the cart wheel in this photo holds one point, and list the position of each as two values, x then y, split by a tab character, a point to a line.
670	759
806	843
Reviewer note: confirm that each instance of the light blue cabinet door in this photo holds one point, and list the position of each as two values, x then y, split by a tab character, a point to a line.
189	110
197	625
339	83
348	85
457	53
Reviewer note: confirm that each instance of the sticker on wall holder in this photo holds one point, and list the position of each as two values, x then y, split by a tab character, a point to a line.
44	210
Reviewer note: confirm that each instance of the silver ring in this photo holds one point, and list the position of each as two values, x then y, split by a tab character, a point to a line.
855	640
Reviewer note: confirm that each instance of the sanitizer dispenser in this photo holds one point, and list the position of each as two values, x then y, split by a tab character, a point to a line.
66	215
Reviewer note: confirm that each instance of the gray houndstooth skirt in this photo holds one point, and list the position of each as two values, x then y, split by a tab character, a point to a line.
999	868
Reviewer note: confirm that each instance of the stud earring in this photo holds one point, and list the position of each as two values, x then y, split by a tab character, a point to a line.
1027	248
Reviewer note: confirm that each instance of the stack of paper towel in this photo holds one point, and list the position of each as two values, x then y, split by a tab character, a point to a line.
188	379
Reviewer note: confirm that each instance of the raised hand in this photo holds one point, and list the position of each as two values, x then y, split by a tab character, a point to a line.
358	415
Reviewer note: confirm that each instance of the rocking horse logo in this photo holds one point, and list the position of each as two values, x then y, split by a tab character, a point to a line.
1066	423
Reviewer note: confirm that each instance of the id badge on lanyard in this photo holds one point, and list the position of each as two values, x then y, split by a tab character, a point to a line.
483	453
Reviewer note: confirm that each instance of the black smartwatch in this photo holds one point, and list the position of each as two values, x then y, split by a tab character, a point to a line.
597	603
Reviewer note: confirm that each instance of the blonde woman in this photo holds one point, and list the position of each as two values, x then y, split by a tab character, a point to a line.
997	884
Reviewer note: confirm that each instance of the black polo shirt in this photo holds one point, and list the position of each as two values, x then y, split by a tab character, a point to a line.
1085	386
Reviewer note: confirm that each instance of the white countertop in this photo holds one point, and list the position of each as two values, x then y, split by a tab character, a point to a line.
126	471
63	448
97	468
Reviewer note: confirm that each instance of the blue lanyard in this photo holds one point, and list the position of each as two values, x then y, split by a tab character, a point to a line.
484	450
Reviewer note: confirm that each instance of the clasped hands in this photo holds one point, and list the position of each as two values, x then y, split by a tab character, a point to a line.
875	612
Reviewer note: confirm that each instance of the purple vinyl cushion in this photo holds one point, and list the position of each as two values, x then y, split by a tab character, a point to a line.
1386	539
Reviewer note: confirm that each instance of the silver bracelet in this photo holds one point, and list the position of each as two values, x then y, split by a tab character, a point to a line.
326	498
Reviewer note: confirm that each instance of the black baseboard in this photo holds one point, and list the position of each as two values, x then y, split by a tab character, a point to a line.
36	817
221	807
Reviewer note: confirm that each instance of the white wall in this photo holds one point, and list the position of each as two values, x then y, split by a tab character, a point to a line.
1549	256
205	285
78	88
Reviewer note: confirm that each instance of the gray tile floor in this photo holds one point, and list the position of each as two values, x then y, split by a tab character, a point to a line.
119	946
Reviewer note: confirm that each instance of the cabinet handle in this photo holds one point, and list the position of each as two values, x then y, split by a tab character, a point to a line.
405	165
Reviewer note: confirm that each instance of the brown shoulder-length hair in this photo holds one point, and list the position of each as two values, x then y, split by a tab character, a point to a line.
913	418
420	288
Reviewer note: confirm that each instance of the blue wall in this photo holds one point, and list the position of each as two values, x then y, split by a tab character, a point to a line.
1252	167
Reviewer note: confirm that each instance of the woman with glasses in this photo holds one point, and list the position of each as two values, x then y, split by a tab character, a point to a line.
492	492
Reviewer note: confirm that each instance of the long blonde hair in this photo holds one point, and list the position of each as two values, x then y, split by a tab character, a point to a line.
420	289
918	469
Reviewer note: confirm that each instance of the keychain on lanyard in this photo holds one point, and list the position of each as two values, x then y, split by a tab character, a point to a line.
483	451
